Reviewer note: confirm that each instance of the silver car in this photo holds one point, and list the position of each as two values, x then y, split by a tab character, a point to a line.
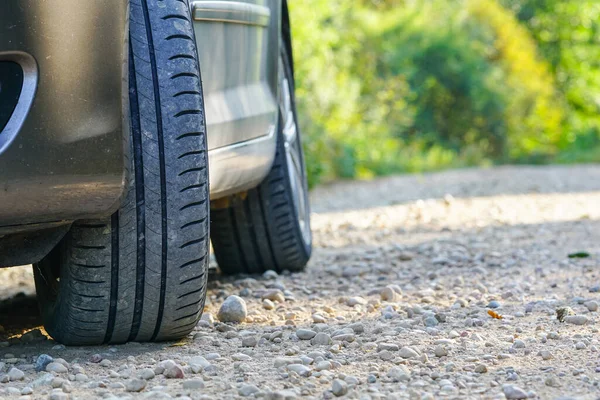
114	119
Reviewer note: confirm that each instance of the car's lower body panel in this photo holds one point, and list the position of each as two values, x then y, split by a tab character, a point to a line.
62	150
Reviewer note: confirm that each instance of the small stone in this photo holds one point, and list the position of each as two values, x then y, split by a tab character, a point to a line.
356	300
300	369
546	355
56	367
552	382
388	294
147	374
247	390
576	319
135	385
513	392
339	388
15	374
407	352
305	334
399	373
481	368
56	395
274	295
323	366
42	361
58	382
193	384
96	358
591	306
268	304
595	289
321	339
318	318
431	322
440	351
493	304
172	370
518	344
580	345
249	341
233	309
270	275
27	390
198	363
105	363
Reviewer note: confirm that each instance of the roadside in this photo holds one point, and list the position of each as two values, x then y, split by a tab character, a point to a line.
394	303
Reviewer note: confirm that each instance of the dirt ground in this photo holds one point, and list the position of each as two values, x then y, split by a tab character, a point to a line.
398	302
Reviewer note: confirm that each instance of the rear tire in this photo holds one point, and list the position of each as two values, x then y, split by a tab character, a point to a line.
141	274
268	228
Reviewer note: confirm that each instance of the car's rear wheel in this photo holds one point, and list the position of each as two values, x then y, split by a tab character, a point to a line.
141	274
268	228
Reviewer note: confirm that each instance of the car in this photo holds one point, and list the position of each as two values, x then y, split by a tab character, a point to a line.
114	118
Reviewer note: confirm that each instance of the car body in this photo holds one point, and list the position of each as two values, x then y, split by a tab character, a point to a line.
63	149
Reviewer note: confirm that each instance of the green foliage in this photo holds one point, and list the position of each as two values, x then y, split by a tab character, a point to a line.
410	85
568	35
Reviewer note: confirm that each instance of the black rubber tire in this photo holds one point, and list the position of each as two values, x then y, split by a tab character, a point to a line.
141	274
259	230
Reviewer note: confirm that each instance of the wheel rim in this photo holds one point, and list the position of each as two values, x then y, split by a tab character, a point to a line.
293	156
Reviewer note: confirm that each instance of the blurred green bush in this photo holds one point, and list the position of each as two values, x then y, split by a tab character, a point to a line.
413	85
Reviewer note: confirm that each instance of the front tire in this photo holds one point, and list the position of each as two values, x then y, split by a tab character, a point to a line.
268	228
141	274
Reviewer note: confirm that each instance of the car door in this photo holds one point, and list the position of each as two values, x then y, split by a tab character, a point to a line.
238	45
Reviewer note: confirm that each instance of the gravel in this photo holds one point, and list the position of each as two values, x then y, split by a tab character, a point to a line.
393	305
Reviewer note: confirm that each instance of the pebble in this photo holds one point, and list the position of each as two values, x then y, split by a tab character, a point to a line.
247	390
300	369
249	341
399	373
42	361
576	319
305	334
355	301
135	385
388	294
268	304
193	384
171	370
440	351
274	295
15	374
481	368
339	388
493	304
591	305
56	367
147	374
580	345
513	392
407	352
233	309
321	339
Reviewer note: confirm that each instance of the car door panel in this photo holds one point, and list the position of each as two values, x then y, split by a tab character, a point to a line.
238	44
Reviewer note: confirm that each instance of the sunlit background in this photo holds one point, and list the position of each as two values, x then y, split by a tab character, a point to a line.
413	85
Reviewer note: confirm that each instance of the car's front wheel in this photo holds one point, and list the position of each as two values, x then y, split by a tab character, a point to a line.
268	228
141	274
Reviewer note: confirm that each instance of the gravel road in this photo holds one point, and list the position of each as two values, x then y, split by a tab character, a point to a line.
394	304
